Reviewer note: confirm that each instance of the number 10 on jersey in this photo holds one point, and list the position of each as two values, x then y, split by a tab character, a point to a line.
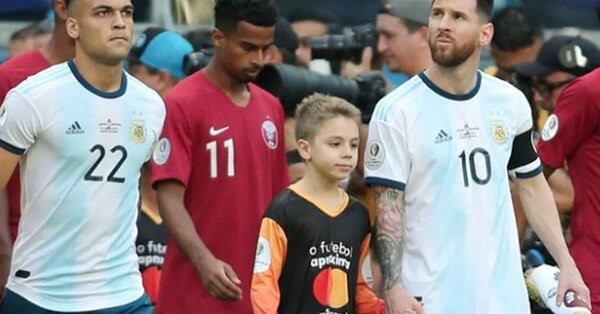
211	147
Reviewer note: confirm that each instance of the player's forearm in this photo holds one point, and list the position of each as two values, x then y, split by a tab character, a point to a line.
542	215
181	228
389	205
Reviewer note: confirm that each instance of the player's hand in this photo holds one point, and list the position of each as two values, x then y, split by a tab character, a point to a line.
570	279
219	279
351	69
397	301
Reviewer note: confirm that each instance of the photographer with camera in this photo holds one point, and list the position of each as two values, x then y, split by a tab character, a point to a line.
402	38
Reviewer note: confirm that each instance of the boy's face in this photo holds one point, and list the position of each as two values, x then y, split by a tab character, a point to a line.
334	150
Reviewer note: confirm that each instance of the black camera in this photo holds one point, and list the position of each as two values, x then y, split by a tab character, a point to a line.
347	46
196	60
291	84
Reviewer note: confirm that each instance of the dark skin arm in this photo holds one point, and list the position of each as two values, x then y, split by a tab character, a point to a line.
218	277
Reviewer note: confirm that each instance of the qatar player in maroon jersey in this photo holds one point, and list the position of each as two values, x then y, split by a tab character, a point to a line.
220	162
571	134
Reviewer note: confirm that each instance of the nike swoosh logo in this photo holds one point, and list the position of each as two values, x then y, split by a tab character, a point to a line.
215	132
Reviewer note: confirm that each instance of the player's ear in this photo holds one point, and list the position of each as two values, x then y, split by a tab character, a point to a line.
487	32
304	149
218	37
72	28
60	9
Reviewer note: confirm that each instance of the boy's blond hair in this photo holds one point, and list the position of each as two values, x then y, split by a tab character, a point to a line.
318	108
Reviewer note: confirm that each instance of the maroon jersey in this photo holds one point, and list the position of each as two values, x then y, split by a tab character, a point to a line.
573	134
13	72
232	162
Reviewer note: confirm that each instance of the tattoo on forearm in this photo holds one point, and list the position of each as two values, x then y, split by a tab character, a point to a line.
388	245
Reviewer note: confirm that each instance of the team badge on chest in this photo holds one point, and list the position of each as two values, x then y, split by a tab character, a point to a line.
269	134
499	132
138	131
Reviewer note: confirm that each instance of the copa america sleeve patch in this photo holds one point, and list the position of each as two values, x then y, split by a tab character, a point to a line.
550	128
263	256
162	151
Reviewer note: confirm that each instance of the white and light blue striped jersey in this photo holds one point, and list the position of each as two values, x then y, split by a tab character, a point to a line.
450	155
82	151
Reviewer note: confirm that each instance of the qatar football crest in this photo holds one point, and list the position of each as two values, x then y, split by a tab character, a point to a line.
269	134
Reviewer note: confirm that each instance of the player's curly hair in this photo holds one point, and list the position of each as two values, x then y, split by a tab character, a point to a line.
318	108
256	12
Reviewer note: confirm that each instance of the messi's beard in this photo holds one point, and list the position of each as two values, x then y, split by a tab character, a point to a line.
453	56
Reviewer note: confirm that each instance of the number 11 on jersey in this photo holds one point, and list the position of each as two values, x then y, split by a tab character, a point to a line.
211	147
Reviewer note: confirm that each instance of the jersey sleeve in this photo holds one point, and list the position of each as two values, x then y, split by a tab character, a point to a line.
20	123
271	250
172	155
523	162
387	160
366	300
574	120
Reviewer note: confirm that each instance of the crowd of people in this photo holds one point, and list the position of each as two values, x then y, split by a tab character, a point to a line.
152	173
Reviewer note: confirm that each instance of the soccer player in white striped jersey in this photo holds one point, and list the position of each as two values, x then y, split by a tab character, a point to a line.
437	156
82	131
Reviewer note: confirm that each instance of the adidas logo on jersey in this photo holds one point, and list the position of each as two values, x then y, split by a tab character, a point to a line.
75	128
442	137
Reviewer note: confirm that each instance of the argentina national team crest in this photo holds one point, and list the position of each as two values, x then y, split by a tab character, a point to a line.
269	134
499	132
138	131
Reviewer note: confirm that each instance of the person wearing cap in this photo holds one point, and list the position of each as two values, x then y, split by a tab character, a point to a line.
402	41
571	135
152	63
560	61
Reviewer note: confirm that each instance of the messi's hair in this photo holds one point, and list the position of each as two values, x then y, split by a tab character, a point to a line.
318	108
515	29
228	13
484	8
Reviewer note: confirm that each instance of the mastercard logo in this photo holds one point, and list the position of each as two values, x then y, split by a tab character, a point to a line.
330	287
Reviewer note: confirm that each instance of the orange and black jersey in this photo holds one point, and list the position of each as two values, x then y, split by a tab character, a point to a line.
309	258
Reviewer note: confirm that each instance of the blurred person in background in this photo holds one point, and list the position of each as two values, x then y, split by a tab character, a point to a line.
59	48
218	165
160	69
310	22
33	36
518	37
402	29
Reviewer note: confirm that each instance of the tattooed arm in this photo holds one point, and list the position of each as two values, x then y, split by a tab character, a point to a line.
390	210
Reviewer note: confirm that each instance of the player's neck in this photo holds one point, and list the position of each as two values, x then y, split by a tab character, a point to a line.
233	87
106	78
457	80
60	47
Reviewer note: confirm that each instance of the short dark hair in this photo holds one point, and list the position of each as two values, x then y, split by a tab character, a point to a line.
256	12
515	29
485	8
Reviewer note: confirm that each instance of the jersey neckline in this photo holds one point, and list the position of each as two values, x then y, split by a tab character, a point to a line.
445	94
118	93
